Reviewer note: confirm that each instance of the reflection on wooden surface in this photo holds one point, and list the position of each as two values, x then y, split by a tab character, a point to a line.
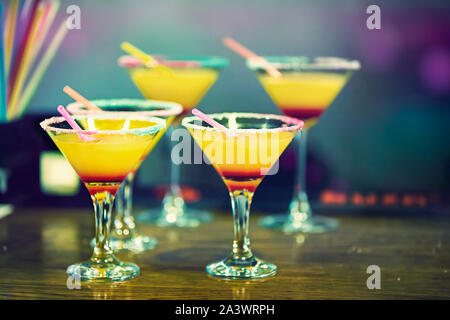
414	256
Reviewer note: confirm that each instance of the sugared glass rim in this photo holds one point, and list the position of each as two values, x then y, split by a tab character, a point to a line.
159	124
177	61
166	109
302	63
297	123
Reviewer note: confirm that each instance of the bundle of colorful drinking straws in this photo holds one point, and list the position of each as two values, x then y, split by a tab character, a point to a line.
26	50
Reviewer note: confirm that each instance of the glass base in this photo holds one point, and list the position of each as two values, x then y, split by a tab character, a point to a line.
312	224
231	269
189	219
108	269
135	244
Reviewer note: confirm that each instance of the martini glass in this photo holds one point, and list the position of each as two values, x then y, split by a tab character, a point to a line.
186	82
305	91
242	161
124	235
103	164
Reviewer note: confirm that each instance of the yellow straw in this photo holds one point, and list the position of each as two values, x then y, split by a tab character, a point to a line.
10	30
41	68
141	55
146	59
24	66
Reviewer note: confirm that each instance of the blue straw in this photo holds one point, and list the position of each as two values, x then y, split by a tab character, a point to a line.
2	70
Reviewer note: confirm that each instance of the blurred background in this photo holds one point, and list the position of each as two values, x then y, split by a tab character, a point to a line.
383	143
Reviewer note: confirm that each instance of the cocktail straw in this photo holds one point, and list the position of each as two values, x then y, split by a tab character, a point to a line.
248	54
78	97
27	25
2	71
24	66
146	59
10	28
212	122
73	124
41	68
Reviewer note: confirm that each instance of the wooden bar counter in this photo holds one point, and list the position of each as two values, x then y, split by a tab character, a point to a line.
413	254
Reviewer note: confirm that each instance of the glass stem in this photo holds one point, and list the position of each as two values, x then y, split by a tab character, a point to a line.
301	170
240	203
173	202
103	202
124	226
174	178
299	208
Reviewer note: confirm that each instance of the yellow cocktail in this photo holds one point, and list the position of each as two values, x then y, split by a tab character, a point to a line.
116	144
124	234
185	80
242	161
304	95
103	164
186	86
305	90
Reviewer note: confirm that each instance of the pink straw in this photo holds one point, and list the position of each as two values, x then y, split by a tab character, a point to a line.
212	122
79	98
248	54
73	124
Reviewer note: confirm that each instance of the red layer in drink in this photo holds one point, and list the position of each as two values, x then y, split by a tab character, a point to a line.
242	179
97	184
302	113
103	178
249	185
94	188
